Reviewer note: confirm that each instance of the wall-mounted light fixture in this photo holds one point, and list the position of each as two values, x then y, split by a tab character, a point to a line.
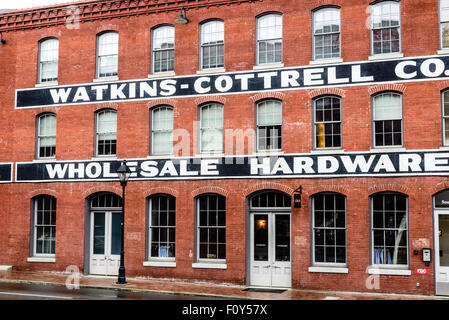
297	197
182	17
3	41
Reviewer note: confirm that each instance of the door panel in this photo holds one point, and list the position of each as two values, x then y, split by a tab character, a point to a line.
260	264
442	253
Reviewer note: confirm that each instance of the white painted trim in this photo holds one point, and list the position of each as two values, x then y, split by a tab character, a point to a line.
392	272
162	75
329	269
443	51
46	84
212	265
154	263
386	56
211	71
5	268
106	79
104	158
268	66
327	151
326	61
387	150
42	259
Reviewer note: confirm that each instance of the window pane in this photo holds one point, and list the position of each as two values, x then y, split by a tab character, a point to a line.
211	227
387	106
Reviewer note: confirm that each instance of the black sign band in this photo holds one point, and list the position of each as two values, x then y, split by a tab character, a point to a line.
230	83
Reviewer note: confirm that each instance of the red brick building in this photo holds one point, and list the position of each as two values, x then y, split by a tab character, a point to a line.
222	115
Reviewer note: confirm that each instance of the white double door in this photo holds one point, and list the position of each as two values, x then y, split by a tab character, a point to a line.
105	236
442	252
270	250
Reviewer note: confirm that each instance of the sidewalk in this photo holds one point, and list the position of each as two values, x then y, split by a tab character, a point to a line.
206	289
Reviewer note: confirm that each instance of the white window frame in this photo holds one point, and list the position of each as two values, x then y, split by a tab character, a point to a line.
258	149
259	20
328	264
197	231
372	251
373	121
151	226
153	131
331	33
99	57
35	224
201	128
399	27
154	33
441	22
203	45
39	136
43	43
97	115
315	122
444	117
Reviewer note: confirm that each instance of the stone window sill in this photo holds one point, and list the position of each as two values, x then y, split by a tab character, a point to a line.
42	259
209	265
391	272
386	56
155	263
329	269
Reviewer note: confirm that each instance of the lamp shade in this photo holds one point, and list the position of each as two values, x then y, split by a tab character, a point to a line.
123	172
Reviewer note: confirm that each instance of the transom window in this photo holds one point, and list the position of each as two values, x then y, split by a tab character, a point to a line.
44	225
162	226
269	125
326	33
327	122
211	128
387	118
385	27
107	59
271	199
163	49
389	229
162	130
46	136
211	227
329	228
212	44
269	39
48	60
106	136
106	201
444	23
446	118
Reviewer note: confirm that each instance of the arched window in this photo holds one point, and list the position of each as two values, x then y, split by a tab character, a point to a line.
46	136
162	130
269	38
212	44
163	49
211	128
107	54
326	33
389	229
43	224
329	228
106	132
327	116
211	227
385	27
387	119
162	226
445	112
269	125
48	60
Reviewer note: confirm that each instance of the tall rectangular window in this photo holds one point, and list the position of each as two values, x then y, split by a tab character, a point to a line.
44	225
326	33
48	60
162	226
211	227
329	228
162	130
389	229
387	119
327	122
107	54
106	135
445	101
212	44
385	27
211	128
163	47
269	39
269	125
46	136
444	24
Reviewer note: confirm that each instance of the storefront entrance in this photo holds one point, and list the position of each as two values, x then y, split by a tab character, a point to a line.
270	240
441	227
105	235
